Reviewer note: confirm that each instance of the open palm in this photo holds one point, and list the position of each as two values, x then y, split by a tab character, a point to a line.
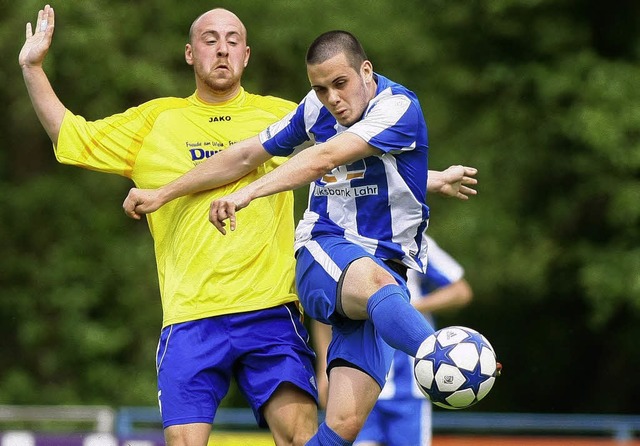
37	43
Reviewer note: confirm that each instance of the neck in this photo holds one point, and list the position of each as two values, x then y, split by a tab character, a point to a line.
213	96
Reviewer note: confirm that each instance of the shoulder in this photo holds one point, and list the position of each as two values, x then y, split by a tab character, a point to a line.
273	104
159	105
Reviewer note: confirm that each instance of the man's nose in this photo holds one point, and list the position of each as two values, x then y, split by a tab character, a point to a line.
333	97
222	49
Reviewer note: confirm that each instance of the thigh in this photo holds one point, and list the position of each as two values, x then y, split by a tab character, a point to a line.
194	364
275	351
335	278
320	267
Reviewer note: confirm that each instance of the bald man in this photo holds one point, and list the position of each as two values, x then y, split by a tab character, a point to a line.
229	306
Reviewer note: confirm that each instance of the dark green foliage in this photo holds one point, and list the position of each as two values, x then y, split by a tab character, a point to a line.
542	96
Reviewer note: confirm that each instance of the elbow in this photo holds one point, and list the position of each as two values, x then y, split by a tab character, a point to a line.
466	293
322	164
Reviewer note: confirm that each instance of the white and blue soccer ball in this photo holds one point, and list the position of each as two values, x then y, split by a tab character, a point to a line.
456	367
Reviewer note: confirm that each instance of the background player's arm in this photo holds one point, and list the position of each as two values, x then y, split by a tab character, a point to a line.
454	295
48	107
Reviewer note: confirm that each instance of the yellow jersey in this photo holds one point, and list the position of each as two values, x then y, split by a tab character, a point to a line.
201	272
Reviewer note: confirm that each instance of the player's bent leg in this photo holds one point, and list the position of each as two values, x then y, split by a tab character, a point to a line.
362	278
386	302
352	395
292	416
193	434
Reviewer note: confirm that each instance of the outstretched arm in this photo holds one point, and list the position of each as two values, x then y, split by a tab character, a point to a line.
218	170
300	170
46	104
455	181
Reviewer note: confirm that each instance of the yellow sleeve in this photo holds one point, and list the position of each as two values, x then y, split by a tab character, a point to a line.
111	144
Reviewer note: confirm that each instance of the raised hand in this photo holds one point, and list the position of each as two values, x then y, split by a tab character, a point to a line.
37	42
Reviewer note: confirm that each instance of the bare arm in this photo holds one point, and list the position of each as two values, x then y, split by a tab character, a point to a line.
218	170
300	170
46	104
454	295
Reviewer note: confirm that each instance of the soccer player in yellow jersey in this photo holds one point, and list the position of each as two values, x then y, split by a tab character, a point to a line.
229	308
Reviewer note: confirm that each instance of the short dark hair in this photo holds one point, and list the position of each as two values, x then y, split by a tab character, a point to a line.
331	43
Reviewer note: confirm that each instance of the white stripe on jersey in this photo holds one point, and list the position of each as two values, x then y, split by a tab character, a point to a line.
443	262
276	127
407	210
324	260
395	106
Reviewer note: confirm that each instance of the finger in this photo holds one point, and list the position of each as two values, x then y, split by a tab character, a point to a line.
468	191
51	17
470	171
28	31
213	218
40	21
232	218
469	180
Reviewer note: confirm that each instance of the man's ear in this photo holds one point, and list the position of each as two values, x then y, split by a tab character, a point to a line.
188	54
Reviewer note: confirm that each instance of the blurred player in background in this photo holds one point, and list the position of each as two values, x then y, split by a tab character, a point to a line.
365	222
402	414
229	307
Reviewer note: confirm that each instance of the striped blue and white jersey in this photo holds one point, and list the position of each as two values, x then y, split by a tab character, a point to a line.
442	270
378	202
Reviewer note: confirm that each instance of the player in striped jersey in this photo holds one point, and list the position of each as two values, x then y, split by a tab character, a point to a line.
365	222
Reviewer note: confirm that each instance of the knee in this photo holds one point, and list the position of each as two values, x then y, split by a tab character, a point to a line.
347	427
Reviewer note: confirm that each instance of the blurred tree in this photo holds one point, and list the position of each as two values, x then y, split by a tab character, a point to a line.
541	95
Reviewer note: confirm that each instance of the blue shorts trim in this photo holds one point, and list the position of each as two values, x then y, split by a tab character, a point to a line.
262	349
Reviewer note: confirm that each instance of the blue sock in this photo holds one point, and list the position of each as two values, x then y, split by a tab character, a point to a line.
327	437
400	325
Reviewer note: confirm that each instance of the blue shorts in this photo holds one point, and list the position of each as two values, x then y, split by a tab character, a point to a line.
261	349
320	266
400	422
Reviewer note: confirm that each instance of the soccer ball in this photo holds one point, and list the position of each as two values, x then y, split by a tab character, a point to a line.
455	367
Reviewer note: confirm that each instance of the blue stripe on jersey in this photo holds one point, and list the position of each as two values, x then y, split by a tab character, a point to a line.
378	202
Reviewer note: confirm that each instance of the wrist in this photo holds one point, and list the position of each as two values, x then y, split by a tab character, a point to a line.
30	67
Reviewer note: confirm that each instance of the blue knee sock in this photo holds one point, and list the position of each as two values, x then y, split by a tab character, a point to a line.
400	325
327	437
